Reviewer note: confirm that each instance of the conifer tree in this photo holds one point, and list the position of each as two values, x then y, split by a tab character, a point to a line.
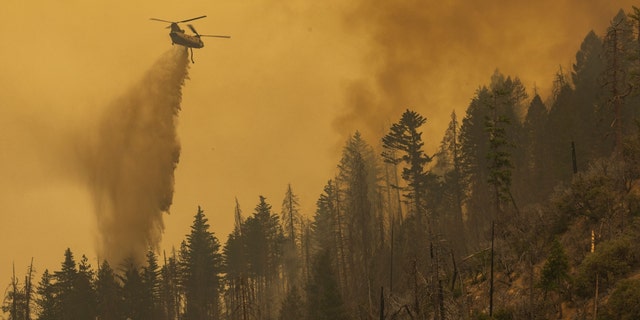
235	266
85	301
169	287
555	272
536	161
201	271
133	293
264	241
404	144
151	283
108	294
46	300
65	280
292	222
449	165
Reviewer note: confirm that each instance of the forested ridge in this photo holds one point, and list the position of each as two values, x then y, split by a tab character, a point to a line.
530	209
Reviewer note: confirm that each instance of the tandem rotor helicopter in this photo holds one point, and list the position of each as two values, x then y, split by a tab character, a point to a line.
178	36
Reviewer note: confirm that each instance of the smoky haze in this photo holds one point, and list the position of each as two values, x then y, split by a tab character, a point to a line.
129	160
431	56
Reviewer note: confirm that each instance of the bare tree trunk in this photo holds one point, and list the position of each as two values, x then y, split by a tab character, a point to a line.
27	292
14	287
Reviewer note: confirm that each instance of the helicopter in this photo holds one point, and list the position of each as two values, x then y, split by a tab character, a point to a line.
178	36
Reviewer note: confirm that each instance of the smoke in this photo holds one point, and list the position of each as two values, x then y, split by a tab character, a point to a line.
129	160
431	56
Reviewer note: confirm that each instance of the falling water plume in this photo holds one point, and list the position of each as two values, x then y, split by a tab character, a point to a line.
129	162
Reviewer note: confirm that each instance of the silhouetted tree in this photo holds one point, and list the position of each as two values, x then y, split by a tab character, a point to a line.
264	240
46	300
403	144
133	291
108	294
201	271
85	302
151	282
66	296
292	222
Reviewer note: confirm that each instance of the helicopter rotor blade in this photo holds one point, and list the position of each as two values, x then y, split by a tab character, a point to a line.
196	18
193	29
214	36
155	19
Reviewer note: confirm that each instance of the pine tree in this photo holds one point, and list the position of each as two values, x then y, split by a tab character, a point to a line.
536	161
591	116
201	271
403	144
617	44
65	290
363	234
449	165
133	293
108	294
235	270
264	242
151	283
327	231
46	300
555	272
169	288
292	248
291	215
85	301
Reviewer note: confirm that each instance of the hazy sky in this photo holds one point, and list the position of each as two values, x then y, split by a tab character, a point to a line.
270	106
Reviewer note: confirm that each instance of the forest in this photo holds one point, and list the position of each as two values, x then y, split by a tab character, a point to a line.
530	209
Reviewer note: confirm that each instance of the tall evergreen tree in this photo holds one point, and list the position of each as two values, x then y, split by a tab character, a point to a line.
591	117
292	222
133	293
151	283
169	287
46	300
449	166
235	267
403	144
65	289
535	183
85	301
264	241
108	294
202	268
362	228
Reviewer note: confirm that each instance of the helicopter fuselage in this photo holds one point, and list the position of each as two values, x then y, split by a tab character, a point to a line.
178	36
186	40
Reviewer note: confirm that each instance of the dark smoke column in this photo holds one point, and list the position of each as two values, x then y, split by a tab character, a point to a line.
130	161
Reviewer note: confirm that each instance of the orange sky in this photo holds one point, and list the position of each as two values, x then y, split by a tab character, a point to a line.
269	107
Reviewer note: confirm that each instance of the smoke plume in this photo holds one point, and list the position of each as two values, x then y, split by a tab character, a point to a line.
431	56
130	159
